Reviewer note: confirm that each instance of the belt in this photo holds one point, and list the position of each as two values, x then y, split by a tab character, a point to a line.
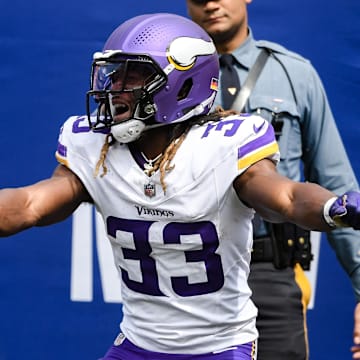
288	245
262	250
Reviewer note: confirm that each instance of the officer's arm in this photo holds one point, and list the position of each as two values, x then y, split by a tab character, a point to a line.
43	203
330	167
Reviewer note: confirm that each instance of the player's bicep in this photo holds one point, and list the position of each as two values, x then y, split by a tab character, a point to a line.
264	189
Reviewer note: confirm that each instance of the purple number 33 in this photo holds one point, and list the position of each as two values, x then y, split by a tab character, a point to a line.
171	235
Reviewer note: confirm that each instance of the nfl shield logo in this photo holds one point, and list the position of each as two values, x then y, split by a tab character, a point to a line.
149	189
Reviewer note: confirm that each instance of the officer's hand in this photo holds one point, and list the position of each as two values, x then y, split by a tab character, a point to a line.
344	211
356	347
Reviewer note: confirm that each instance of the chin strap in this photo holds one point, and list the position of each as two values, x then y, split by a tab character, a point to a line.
128	131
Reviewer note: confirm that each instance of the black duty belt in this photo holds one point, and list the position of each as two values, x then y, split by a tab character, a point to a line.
286	245
262	250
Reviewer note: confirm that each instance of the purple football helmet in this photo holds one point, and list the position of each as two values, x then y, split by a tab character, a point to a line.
165	62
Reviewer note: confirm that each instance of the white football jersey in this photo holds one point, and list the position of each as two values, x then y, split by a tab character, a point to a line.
184	255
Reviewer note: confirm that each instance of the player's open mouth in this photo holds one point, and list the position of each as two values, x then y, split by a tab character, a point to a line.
120	111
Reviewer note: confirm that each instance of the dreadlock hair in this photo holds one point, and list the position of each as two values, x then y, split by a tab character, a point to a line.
109	140
178	136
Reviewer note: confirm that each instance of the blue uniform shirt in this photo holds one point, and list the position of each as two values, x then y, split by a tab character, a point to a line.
310	145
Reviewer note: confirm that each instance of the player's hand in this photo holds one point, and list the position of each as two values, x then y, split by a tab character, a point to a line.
355	349
345	211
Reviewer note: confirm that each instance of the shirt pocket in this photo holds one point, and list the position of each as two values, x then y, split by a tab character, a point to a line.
285	118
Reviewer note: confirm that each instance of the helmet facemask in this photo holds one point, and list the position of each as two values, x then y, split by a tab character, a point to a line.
122	88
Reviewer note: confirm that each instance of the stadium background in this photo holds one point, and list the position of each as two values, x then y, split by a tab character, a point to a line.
49	309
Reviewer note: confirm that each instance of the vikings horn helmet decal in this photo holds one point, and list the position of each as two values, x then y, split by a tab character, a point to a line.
183	51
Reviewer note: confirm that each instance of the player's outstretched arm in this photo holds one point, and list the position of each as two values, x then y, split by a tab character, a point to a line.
308	205
43	203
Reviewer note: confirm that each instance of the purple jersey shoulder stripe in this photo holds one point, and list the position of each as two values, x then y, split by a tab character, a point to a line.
61	150
257	149
262	153
61	154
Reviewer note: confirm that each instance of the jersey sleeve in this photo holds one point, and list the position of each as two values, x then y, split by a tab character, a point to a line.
259	143
77	144
226	148
241	141
79	149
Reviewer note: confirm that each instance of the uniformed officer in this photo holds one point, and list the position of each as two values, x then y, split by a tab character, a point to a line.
288	93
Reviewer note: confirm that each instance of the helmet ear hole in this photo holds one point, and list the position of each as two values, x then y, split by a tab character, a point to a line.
185	89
